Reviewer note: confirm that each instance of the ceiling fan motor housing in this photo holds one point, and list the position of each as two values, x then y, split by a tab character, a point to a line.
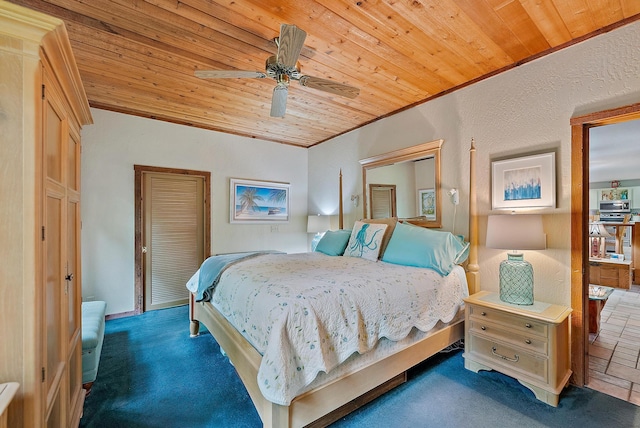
276	70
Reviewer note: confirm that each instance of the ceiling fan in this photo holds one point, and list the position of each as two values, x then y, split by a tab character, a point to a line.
283	67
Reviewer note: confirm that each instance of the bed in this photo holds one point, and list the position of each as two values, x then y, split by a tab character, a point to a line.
306	362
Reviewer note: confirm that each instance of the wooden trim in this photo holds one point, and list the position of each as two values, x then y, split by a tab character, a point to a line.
420	151
120	315
579	211
579	197
340	207
138	222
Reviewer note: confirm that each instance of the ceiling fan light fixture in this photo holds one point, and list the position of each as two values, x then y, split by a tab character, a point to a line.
279	99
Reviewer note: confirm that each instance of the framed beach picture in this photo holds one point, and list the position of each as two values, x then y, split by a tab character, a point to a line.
255	201
427	203
524	182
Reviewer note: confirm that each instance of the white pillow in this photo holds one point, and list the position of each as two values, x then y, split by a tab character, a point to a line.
365	240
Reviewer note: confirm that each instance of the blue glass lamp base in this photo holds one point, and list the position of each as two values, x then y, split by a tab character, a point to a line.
516	280
315	240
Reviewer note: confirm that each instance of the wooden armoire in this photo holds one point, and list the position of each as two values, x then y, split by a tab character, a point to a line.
42	108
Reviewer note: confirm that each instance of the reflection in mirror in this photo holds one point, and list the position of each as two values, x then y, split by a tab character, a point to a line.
405	184
382	201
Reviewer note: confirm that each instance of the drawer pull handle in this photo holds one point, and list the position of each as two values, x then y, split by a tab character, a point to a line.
483	328
484	314
527	325
528	341
504	357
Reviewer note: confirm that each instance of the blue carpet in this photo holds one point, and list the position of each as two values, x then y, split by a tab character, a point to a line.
152	374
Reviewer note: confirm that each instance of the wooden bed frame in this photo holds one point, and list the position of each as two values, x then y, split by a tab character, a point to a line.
329	402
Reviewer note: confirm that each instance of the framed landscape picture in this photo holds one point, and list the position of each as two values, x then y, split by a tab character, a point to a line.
525	182
427	203
254	201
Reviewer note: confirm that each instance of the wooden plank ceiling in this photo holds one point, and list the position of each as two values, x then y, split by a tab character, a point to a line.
139	56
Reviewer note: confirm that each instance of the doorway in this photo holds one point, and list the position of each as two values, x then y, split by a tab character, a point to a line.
580	127
382	200
172	233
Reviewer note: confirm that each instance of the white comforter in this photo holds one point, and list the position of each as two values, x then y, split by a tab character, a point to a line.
309	312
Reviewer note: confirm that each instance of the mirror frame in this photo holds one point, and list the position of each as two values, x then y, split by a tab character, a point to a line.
420	151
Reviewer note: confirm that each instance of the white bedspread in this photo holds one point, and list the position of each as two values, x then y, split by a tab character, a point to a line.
307	313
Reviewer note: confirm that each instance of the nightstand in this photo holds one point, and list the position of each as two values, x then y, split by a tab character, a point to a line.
529	343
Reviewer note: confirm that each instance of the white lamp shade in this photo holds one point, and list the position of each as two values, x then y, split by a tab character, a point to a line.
318	223
516	232
598	230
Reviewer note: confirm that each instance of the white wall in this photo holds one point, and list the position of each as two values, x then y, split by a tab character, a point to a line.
523	111
116	142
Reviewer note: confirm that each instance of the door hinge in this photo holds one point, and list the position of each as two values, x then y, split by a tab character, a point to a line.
43	374
43	91
43	233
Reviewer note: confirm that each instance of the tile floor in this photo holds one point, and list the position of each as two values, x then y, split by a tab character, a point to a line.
614	367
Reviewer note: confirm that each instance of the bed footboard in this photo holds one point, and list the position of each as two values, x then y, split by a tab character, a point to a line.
329	402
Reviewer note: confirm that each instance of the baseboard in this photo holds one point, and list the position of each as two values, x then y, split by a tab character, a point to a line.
120	315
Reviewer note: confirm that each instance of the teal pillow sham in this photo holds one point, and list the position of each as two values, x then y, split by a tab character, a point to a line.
417	246
334	242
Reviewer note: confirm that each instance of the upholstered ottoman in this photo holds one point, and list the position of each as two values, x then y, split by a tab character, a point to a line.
92	337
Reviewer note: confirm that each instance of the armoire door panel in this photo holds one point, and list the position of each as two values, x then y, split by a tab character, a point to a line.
53	289
73	162
53	141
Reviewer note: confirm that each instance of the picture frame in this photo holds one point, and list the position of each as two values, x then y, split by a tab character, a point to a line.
427	203
256	201
614	194
524	182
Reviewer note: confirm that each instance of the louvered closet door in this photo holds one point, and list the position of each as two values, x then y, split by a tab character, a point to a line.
383	200
173	237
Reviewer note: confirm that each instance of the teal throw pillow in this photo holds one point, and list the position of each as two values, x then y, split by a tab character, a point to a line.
334	242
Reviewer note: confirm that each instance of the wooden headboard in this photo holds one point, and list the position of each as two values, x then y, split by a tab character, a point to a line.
472	267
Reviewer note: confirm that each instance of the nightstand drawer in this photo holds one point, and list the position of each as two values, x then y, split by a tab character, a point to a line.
508	320
527	343
509	359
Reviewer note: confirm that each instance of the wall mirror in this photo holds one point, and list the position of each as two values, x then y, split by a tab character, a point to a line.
404	183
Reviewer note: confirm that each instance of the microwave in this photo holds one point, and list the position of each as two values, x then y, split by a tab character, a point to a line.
616	206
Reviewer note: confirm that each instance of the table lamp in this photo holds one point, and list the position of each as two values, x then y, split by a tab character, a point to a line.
597	235
317	224
516	232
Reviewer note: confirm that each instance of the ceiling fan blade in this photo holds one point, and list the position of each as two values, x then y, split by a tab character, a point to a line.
229	74
279	100
329	86
290	44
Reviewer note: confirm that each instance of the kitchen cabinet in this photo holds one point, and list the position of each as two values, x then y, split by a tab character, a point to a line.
593	199
634	195
611	273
